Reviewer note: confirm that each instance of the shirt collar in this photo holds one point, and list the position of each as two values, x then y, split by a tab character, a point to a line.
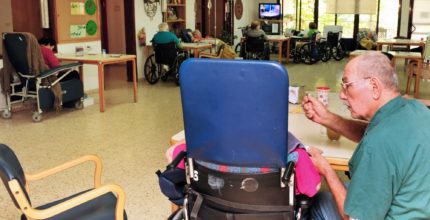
385	111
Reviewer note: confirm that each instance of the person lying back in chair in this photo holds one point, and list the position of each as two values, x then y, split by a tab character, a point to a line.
47	46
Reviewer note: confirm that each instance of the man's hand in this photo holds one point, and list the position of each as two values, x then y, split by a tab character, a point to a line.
320	163
315	110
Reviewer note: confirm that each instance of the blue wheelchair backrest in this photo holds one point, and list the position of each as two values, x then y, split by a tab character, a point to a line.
235	111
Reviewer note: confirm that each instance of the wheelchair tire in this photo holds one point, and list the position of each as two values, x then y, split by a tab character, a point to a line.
181	58
339	54
6	114
326	53
237	49
152	70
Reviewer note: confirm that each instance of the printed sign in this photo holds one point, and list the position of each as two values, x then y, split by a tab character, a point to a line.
78	31
77	8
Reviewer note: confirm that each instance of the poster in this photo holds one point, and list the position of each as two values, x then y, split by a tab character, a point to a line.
77	8
78	31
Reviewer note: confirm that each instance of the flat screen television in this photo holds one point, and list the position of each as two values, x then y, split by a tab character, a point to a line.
269	11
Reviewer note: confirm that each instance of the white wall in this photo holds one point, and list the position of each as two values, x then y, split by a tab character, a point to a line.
90	71
151	27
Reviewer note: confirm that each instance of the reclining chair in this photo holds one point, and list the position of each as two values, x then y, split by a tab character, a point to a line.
236	119
164	54
255	48
98	203
30	85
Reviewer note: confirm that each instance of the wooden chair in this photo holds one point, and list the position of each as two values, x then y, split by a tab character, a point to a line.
213	56
411	68
98	203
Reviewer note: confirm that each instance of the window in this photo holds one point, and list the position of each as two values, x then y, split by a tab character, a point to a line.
324	18
347	21
290	21
388	18
421	19
306	13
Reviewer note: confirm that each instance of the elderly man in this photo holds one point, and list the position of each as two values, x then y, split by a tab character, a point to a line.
390	174
164	36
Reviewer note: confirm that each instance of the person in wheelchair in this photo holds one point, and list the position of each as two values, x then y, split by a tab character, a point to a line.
164	36
47	46
366	40
256	42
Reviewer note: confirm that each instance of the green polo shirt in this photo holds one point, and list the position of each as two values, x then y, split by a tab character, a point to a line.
390	169
164	37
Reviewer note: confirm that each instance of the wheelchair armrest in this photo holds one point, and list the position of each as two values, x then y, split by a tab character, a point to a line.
288	172
56	70
177	160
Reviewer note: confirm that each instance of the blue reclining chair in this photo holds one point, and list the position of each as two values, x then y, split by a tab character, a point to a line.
236	126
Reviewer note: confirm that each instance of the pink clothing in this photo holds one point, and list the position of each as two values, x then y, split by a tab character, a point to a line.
49	57
176	151
307	177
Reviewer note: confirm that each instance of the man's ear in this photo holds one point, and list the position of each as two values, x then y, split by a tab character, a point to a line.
376	87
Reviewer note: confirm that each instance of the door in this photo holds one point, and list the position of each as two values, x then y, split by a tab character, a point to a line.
218	20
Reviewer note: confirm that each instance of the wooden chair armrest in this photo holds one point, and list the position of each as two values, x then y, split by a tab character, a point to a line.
87	158
204	54
69	204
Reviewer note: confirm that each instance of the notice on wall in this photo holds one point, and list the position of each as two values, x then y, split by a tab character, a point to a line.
78	31
77	8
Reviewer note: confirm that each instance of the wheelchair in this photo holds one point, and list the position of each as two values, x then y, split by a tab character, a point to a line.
37	85
256	48
235	126
333	48
310	52
165	55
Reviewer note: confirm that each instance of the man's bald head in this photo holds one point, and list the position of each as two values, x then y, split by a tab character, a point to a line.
375	64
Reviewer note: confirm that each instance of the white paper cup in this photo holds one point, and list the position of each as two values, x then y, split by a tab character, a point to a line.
322	94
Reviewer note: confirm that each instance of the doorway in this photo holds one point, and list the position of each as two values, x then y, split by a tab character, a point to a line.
218	20
117	17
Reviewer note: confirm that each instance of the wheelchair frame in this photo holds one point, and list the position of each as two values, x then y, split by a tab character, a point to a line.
154	71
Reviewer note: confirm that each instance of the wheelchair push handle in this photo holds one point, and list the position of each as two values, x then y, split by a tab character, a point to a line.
177	160
288	172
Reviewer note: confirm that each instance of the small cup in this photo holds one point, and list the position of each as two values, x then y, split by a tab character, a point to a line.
322	94
332	135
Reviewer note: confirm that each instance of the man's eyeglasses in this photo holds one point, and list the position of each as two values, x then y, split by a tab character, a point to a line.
345	85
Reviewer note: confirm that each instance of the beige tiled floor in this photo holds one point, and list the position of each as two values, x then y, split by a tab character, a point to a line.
131	139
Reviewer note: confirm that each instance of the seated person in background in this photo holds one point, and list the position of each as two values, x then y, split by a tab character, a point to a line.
197	36
47	46
368	42
255	31
163	36
312	30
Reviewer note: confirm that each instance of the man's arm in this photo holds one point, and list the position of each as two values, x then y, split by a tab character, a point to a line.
317	112
334	183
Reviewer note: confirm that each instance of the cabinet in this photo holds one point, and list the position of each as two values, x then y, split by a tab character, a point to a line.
176	14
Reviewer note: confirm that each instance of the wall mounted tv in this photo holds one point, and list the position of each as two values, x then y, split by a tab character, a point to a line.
269	11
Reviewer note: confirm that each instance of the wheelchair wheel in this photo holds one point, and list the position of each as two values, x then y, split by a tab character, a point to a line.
339	53
6	114
237	49
152	70
326	53
181	58
37	117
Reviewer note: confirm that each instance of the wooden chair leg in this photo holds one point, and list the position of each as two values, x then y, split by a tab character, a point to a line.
408	83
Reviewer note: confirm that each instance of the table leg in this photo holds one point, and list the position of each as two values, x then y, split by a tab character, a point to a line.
133	61
196	53
81	75
280	51
418	78
100	67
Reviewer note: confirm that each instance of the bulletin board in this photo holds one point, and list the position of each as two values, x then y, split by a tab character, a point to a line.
77	20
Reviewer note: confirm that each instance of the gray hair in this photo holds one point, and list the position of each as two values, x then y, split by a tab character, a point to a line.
376	64
163	27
